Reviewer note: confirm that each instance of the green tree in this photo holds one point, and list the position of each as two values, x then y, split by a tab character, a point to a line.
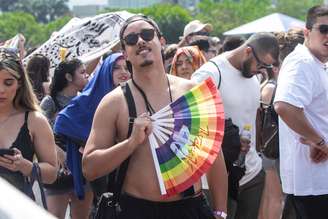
19	22
8	5
297	9
227	14
171	18
12	23
43	10
55	25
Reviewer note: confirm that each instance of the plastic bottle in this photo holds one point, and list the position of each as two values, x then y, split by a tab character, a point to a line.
245	134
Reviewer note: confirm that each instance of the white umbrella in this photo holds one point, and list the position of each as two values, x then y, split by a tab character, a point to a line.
272	23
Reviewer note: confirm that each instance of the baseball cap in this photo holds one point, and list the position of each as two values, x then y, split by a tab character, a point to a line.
196	26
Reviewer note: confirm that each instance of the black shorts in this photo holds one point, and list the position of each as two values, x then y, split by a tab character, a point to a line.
190	208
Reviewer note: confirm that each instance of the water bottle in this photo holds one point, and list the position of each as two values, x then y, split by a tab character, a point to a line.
245	134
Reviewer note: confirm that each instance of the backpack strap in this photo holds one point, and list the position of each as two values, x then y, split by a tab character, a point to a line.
124	166
216	65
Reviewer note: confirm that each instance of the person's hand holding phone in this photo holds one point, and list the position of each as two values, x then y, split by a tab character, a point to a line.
13	160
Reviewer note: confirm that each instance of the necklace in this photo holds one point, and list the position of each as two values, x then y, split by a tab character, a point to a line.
149	108
3	122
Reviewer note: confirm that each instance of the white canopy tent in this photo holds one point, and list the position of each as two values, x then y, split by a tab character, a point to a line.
275	22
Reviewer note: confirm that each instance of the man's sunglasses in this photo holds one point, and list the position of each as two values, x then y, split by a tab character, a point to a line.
145	34
200	33
323	28
260	64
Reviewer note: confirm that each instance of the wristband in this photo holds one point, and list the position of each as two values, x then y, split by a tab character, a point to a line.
220	214
321	143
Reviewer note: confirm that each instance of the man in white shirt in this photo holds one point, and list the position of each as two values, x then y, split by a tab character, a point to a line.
240	92
301	103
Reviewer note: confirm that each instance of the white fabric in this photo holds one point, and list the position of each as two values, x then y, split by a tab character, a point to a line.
16	205
275	22
241	98
86	39
303	82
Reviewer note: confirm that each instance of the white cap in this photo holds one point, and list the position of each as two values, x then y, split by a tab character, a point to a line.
196	26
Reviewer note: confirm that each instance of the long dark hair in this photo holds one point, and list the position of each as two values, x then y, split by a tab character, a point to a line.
59	80
38	71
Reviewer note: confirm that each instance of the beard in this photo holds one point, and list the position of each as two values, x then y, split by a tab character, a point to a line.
246	71
146	63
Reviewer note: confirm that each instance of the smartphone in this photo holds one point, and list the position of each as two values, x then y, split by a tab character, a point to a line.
7	151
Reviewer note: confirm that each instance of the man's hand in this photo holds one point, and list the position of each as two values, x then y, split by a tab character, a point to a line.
317	153
141	129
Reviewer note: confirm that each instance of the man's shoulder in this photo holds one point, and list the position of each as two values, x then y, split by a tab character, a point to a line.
181	83
113	98
300	56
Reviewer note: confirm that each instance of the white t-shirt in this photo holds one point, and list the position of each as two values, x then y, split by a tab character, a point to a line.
303	83
241	98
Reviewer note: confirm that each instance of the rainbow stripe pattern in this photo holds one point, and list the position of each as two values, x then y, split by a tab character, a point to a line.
187	137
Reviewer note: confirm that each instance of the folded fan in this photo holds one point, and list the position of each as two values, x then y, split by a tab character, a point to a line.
186	137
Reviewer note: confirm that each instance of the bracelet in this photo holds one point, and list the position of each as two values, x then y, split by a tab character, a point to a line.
220	214
321	143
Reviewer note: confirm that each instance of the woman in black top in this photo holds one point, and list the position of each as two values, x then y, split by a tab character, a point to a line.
23	128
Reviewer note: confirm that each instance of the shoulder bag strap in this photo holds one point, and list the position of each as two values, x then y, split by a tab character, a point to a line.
216	65
124	166
36	176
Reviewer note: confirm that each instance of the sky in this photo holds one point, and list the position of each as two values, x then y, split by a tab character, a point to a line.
86	2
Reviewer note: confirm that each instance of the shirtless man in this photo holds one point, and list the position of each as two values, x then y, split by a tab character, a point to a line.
140	38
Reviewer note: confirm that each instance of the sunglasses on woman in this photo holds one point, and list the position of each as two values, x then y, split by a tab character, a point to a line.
145	34
323	28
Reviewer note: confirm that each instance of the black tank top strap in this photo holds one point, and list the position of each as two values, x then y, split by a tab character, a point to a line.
23	141
26	117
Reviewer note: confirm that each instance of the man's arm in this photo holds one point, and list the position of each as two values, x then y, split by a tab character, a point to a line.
295	119
217	179
101	156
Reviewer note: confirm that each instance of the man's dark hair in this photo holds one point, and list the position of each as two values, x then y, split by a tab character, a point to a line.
314	13
232	42
263	44
138	17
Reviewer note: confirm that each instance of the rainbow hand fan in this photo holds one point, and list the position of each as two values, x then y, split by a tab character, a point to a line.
186	137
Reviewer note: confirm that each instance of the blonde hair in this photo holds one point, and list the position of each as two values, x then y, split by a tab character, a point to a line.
25	97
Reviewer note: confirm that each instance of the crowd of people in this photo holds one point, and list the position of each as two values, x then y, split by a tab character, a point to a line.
77	125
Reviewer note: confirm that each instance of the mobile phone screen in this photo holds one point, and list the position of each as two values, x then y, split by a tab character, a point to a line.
6	151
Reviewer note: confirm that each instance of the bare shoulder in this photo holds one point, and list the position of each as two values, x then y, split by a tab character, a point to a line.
38	124
36	118
113	99
181	83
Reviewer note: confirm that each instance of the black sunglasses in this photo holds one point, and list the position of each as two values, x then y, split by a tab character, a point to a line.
260	64
200	33
323	28
145	34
